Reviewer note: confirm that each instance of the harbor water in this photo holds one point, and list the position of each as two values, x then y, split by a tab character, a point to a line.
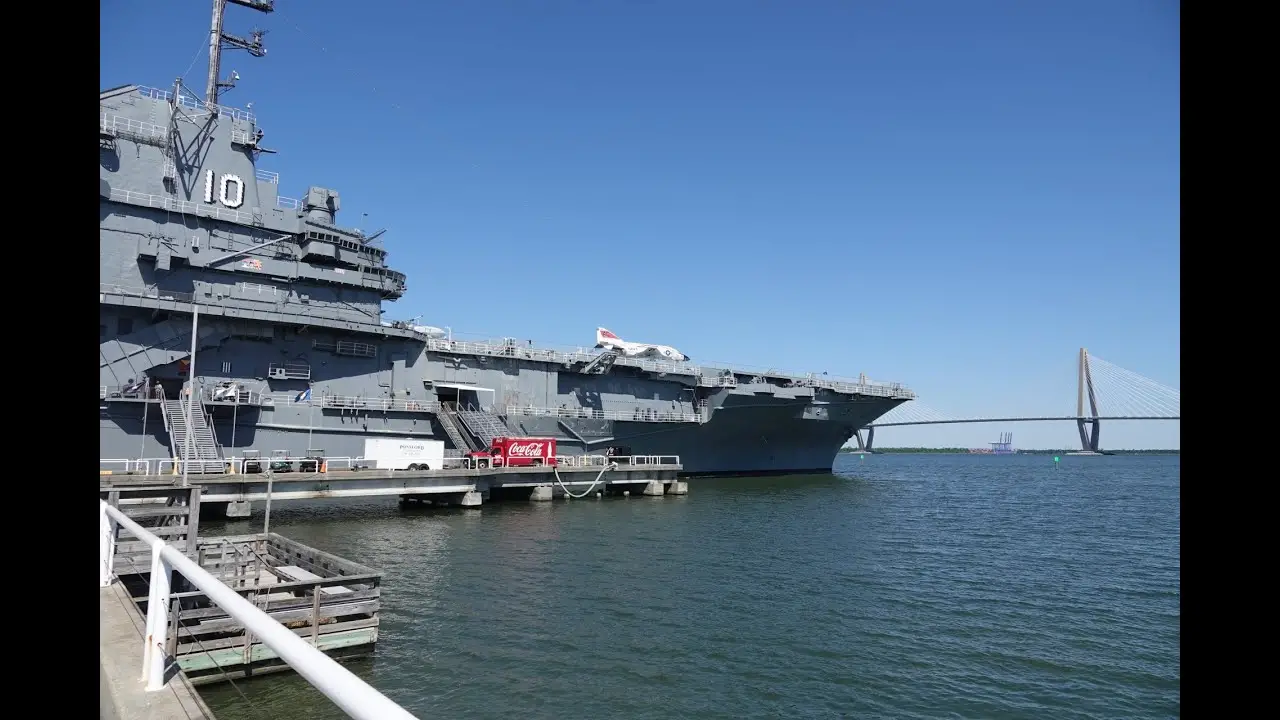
902	586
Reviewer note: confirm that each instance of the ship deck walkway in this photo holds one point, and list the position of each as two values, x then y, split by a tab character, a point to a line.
123	694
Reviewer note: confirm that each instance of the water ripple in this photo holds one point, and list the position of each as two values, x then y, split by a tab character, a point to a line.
904	587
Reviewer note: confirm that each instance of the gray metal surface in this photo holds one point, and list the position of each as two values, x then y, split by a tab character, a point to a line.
290	300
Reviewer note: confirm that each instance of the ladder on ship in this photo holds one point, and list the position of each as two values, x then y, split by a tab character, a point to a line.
600	364
448	417
484	426
206	454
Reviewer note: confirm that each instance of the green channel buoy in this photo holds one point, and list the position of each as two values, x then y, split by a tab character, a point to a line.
1055	462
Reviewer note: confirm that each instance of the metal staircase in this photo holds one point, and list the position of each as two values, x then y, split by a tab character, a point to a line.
484	426
600	364
448	417
206	454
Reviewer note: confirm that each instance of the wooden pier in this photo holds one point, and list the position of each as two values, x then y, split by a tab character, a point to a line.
329	601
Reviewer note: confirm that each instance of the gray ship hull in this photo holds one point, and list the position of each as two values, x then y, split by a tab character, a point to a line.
752	438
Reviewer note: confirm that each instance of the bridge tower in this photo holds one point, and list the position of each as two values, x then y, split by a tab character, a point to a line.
1086	423
864	443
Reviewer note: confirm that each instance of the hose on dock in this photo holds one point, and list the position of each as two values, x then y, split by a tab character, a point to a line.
586	492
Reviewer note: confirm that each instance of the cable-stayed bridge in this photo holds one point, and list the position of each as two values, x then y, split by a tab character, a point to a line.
1105	391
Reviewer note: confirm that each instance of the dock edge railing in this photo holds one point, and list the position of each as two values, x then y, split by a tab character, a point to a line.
354	696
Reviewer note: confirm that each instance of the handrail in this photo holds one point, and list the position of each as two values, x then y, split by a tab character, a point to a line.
356	697
571	461
185	207
708	374
236	464
208	417
351	402
193	103
593	414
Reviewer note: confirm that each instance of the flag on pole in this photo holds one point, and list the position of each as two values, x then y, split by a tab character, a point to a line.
304	396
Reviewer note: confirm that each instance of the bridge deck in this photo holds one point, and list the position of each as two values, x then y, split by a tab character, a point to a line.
123	694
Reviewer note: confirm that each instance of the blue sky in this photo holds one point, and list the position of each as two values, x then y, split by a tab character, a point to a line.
956	196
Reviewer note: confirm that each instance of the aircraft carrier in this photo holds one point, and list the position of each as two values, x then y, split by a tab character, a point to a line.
293	355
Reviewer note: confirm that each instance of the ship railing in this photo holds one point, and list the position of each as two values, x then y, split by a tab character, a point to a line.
289	371
208	418
322	464
581	413
194	104
236	465
126	466
189	298
622	460
330	463
710	375
354	696
128	392
267	176
118	125
351	402
288	203
458	407
504	349
261	289
175	466
183	207
660	366
156	293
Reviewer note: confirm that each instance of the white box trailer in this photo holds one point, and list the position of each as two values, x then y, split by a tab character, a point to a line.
404	454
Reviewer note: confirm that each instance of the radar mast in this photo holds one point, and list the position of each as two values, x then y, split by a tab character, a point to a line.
218	39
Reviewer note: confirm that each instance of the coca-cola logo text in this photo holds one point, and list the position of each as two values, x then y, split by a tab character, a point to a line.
533	449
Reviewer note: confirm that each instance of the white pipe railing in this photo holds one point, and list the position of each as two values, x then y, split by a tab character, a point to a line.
356	697
125	465
622	461
642	415
236	465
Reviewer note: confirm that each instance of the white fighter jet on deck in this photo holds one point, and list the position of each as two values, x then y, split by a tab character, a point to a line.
607	340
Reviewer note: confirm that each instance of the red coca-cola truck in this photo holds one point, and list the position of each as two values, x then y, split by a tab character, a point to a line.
514	452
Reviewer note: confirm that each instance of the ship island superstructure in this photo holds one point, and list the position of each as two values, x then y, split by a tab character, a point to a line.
294	357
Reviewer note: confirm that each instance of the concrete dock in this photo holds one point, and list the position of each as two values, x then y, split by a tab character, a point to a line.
456	486
123	694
